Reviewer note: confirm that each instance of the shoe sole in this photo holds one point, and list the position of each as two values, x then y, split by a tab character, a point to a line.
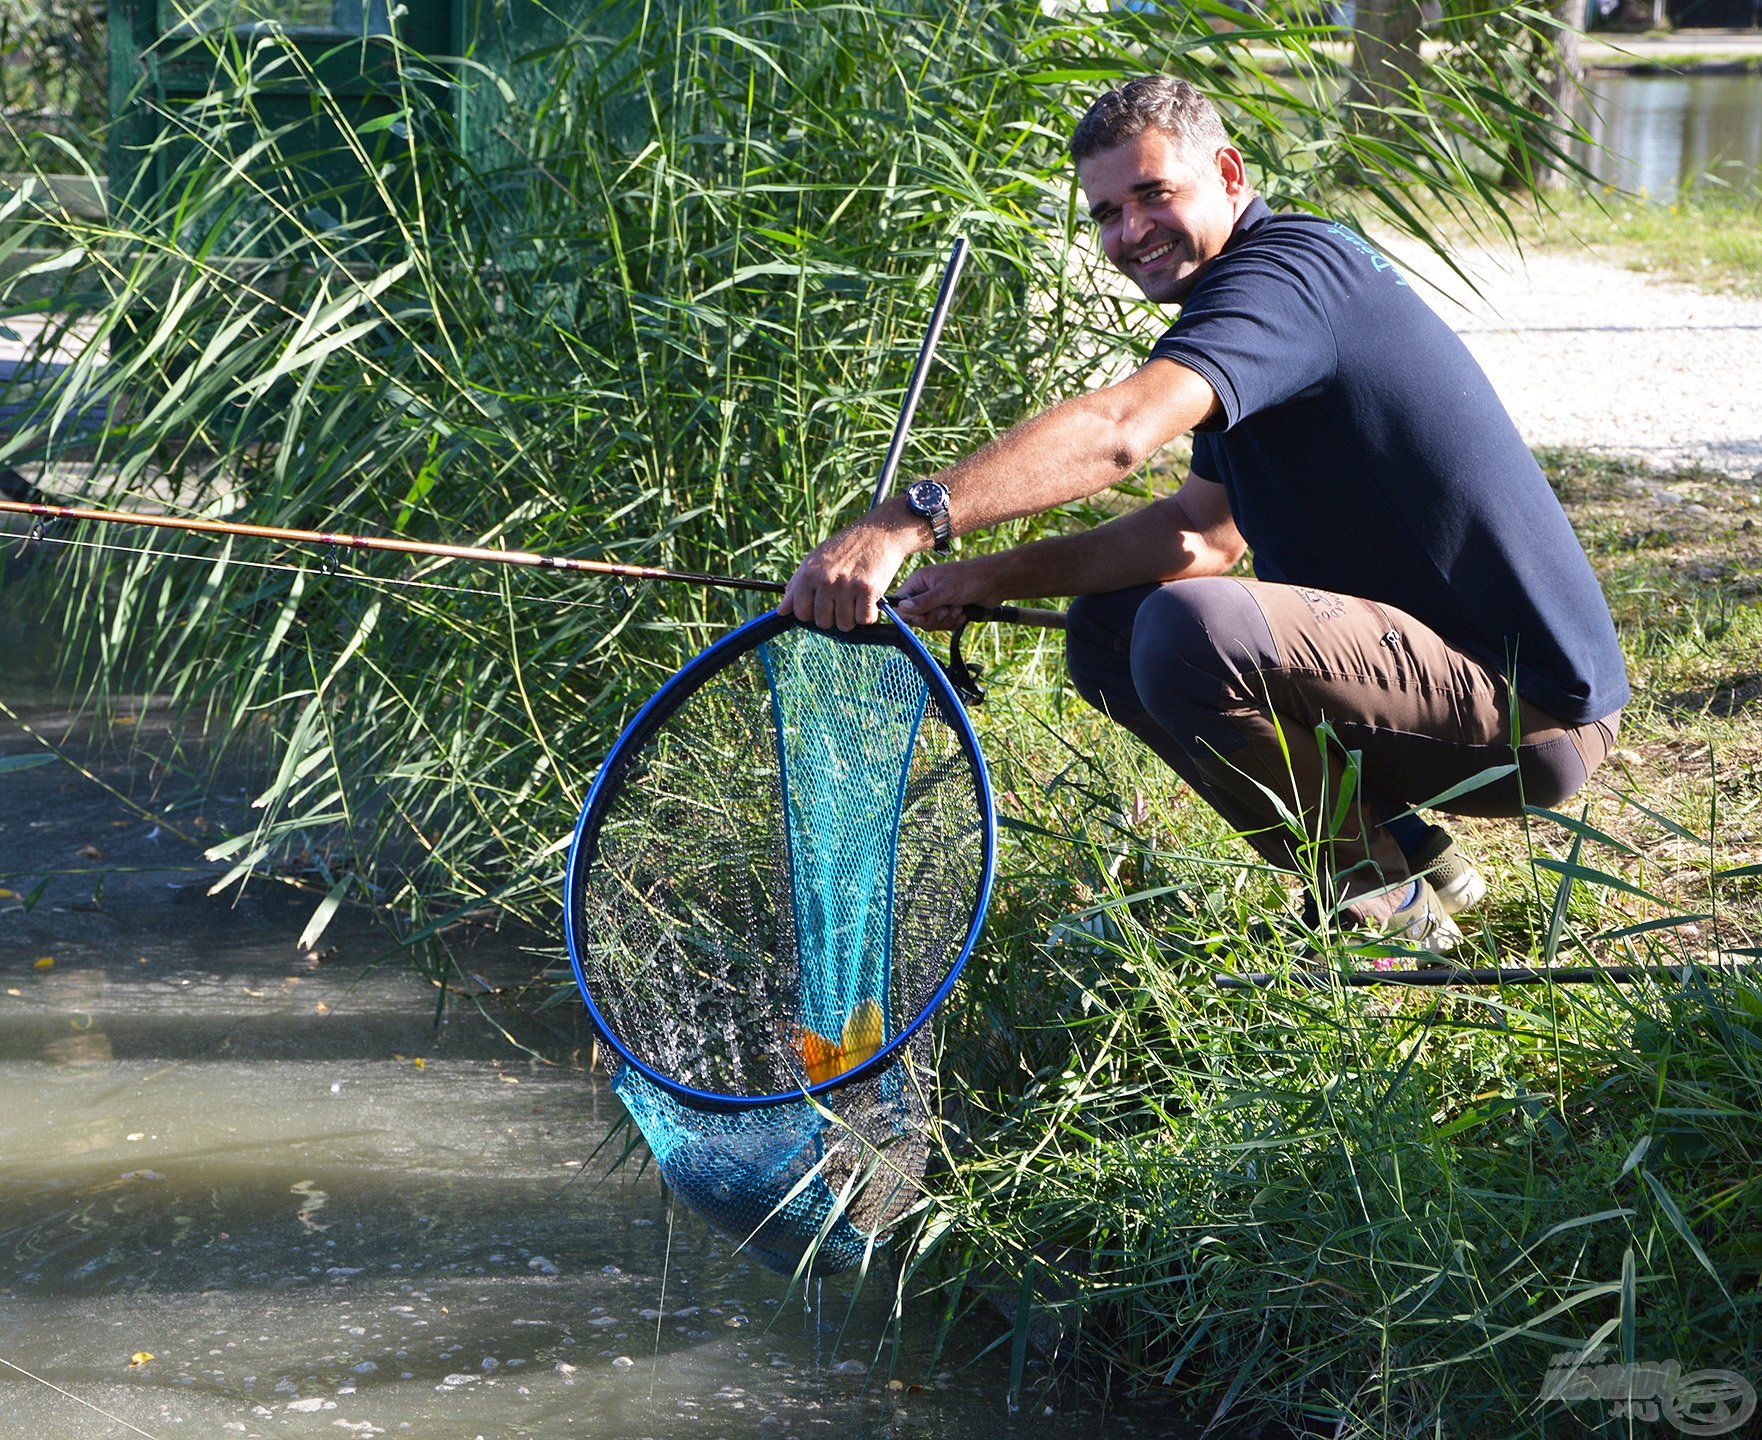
1445	938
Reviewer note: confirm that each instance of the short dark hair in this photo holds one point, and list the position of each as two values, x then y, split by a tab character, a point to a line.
1151	102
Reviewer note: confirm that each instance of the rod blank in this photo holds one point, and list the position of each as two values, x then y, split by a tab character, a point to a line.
474	554
1438	977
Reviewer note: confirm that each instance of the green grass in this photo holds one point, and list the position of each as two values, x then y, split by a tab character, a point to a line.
1707	237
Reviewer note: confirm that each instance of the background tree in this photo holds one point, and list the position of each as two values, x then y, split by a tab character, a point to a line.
1388	65
54	68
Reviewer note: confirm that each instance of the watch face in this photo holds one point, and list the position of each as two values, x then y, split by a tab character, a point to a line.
927	496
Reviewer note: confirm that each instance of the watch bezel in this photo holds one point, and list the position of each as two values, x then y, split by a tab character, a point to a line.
921	503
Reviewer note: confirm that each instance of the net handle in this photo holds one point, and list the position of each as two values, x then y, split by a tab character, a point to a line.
920	371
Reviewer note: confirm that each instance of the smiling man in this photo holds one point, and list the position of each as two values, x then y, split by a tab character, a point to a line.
1416	585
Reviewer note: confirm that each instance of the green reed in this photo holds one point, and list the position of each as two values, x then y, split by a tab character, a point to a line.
658	305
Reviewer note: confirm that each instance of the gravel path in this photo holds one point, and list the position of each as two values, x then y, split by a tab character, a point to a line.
1587	355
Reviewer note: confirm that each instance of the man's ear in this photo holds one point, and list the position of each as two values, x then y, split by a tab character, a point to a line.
1231	169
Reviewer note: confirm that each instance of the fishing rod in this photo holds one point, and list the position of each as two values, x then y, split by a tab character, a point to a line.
44	514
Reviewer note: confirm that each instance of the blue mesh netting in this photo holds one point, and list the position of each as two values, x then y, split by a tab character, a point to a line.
785	1180
784	859
843	769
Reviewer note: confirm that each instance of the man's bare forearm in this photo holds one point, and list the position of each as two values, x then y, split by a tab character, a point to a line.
1076	449
1147	547
1070	452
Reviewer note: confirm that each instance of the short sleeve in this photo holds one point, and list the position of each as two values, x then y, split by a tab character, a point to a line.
1256	330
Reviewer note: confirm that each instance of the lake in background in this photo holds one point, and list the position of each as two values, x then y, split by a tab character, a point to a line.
1658	131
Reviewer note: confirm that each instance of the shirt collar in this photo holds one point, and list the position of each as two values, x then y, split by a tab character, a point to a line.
1255	215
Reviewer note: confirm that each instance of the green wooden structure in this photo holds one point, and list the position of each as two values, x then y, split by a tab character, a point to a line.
165	55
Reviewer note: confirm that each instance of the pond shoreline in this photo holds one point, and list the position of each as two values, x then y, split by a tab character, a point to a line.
1681	52
1667	69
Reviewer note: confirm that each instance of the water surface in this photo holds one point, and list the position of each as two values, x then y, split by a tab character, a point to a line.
319	1214
1659	132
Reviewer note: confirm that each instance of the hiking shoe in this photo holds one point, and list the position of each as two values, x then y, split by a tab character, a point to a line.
1423	923
1421	928
1456	883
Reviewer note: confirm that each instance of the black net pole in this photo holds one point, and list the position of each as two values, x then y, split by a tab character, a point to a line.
920	372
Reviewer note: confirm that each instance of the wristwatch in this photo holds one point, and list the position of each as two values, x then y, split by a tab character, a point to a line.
929	498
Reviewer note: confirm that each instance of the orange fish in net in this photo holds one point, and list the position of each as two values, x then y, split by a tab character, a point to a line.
820	1057
824	1058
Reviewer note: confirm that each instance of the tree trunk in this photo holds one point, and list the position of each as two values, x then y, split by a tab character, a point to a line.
1385	58
1565	82
1561	71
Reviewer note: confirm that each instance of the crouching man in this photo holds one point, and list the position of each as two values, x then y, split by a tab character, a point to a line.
1416	584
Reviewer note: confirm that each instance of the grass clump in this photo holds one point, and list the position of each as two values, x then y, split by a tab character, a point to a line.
1367	1217
1383	1212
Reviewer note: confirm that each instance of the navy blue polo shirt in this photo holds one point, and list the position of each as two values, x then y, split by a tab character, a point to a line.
1363	450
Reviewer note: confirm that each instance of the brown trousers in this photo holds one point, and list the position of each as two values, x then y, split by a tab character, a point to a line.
1310	720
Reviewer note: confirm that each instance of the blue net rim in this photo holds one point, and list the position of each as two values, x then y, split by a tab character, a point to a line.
655	711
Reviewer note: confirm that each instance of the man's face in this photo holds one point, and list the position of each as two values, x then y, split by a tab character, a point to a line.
1163	212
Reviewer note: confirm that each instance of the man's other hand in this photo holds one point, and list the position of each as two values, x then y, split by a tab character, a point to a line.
936	596
842	580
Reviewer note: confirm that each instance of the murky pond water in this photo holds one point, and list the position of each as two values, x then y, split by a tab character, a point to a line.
319	1214
1657	132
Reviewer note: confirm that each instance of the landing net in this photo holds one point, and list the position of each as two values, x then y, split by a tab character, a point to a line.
778	874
